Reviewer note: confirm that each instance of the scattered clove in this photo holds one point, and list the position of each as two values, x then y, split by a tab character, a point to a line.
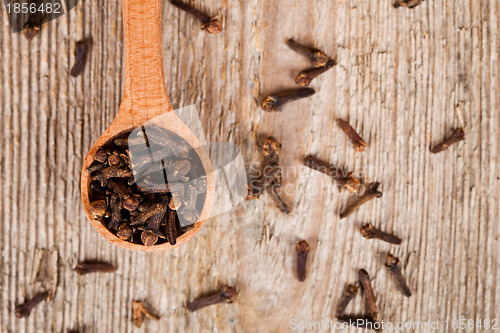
88	267
369	231
349	293
369	194
211	25
407	3
138	313
456	136
316	57
304	78
392	263
271	150
302	249
274	103
370	301
359	143
24	310
81	51
226	295
346	180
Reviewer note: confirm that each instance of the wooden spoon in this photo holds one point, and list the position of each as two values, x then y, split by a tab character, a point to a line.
144	98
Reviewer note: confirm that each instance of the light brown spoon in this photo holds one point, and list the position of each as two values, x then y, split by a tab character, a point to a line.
144	98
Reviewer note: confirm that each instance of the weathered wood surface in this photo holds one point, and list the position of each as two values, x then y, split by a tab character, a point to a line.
405	78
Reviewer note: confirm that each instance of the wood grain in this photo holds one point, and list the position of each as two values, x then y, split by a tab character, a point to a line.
404	79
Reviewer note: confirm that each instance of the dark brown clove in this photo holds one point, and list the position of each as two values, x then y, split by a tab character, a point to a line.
116	205
370	193
359	143
151	231
138	313
164	188
274	103
124	232
81	51
106	174
24	310
271	150
226	295
88	267
316	57
145	215
170	229
304	78
302	249
407	3
392	263
98	208
189	212
345	179
349	293
457	135
211	25
370	301
369	231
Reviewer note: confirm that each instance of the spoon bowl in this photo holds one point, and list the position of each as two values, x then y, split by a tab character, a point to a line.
144	99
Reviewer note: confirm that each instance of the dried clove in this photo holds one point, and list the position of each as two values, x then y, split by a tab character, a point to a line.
274	103
151	231
189	211
407	3
142	217
24	310
88	267
370	301
349	293
346	180
457	135
316	57
81	51
271	150
302	249
106	174
139	311
98	207
304	78
369	231
124	232
370	193
226	295
211	25
171	229
392	263
116	205
359	143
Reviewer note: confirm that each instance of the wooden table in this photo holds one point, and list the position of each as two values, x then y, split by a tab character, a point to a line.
404	79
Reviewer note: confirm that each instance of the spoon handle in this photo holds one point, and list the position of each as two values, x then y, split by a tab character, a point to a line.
144	79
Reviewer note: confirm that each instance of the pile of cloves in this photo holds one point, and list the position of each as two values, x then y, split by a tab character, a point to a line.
141	199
